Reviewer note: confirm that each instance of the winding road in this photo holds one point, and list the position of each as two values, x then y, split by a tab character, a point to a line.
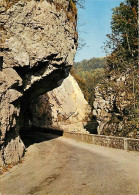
59	166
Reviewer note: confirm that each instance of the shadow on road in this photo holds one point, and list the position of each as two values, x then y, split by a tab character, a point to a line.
37	135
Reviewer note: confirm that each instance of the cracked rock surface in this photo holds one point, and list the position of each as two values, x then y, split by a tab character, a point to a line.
62	108
37	46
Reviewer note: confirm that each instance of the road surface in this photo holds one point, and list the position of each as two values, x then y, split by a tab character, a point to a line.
60	166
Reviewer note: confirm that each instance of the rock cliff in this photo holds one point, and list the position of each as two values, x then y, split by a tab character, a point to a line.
62	108
38	42
113	108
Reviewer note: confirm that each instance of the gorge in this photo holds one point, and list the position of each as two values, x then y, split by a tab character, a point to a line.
38	42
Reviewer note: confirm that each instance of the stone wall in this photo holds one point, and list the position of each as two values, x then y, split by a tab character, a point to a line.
107	141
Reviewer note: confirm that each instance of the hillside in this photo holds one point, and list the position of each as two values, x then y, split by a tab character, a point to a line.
91	64
88	74
116	104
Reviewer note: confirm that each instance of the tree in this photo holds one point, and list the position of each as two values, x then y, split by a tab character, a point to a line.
80	3
122	50
123	42
132	2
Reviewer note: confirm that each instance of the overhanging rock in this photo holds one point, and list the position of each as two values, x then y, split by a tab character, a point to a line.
38	44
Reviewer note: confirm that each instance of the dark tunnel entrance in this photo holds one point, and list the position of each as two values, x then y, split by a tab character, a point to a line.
28	131
32	135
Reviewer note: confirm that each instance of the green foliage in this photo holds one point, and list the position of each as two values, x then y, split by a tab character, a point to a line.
122	51
123	42
88	74
88	65
132	2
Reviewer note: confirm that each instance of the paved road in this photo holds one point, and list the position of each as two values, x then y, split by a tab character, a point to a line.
62	166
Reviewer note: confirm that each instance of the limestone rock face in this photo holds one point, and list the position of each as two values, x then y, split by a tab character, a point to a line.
62	108
111	107
103	108
37	45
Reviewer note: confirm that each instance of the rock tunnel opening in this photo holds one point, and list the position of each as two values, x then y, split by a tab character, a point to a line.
28	132
21	135
32	135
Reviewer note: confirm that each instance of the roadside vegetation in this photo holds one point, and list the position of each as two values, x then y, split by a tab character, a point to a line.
88	74
121	61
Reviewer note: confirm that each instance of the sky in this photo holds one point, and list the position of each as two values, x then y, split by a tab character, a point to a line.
93	25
